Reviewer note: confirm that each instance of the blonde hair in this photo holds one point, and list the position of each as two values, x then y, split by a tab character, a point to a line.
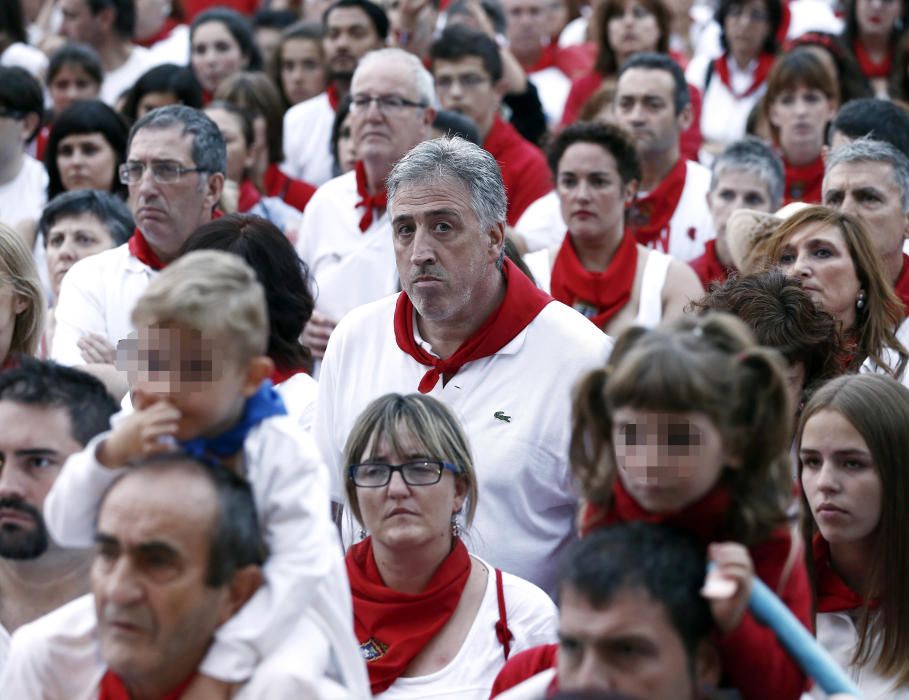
212	292
425	420
711	365
17	267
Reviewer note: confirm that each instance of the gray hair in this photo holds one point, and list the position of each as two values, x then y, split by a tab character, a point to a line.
865	150
754	156
209	152
422	78
454	159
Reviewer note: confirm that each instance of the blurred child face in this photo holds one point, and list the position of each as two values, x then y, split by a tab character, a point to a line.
194	374
71	83
667	461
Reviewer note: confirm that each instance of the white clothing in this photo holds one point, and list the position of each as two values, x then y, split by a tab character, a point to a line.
97	295
348	267
541	225
307	140
5	638
290	488
57	657
534	688
891	357
118	81
299	394
24	56
23	197
515	407
174	48
837	633
650	304
533	620
278	212
552	87
575	32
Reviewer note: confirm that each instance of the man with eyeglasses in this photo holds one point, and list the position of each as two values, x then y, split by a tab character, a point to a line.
468	73
175	164
345	237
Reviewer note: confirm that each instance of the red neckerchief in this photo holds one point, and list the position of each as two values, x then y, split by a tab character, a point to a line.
596	295
139	249
721	68
901	286
546	60
280	375
334	99
785	20
869	68
649	216
706	518
393	627
277	183
522	302
803	182
378	201
41	141
112	688
249	196
833	595
708	266
169	25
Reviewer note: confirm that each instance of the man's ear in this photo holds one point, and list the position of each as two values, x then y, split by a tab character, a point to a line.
496	238
708	669
630	191
243	585
429	116
259	369
213	188
686	116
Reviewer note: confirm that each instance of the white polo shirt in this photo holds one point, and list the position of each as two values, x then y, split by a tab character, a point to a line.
307	140
97	295
348	267
515	407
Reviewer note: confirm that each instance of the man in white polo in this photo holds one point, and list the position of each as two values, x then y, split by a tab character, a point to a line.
472	331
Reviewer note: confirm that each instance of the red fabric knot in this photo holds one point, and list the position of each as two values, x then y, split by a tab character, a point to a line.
378	201
141	250
650	215
765	63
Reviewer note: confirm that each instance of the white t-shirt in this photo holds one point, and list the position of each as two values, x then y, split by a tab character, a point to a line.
541	225
307	140
117	81
23	197
24	56
515	407
532	619
174	48
891	357
57	657
552	87
348	267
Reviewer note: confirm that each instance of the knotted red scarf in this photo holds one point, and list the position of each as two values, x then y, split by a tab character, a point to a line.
112	688
334	99
379	200
650	216
901	286
721	68
248	196
803	182
869	68
139	248
705	519
522	302
833	594
602	293
393	627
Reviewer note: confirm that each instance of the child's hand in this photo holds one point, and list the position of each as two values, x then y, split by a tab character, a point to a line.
148	431
728	584
207	688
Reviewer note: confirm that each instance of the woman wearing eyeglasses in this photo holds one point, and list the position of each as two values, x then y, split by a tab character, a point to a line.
431	619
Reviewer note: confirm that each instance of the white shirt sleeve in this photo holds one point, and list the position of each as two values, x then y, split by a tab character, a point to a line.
325	415
79	311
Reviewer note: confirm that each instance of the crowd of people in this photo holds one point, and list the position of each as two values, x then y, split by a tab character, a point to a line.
453	349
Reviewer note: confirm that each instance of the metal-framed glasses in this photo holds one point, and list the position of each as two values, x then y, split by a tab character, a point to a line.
422	472
386	104
163	172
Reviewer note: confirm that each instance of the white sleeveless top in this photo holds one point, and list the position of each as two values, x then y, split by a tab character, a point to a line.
656	269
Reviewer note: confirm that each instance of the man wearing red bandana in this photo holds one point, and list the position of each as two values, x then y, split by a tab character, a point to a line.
353	28
345	237
653	105
169	568
174	167
472	331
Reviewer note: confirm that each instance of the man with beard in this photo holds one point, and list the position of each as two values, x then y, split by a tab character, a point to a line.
353	28
47	413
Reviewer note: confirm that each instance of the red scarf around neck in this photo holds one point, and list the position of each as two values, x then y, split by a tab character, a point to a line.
709	268
249	196
597	295
522	302
546	60
705	519
280	375
334	98
721	68
394	627
650	216
833	594
378	201
803	182
112	688
869	68
169	25
140	250
901	286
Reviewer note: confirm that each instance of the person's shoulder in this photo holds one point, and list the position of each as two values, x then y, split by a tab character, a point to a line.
73	621
97	268
305	109
560	323
340	186
364	319
33	171
525	599
697	174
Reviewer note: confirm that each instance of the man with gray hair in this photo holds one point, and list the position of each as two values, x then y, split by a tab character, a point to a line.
175	164
746	175
472	331
345	237
870	180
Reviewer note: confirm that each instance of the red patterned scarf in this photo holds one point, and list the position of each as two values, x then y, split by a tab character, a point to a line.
803	182
869	68
650	216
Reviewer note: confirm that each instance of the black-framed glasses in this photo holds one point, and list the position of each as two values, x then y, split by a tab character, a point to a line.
422	472
387	104
163	172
